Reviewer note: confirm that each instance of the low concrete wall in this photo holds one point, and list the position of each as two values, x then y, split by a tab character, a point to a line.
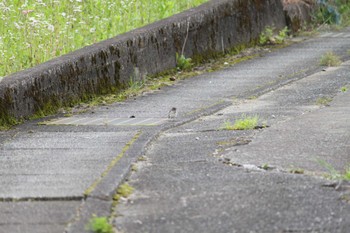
107	66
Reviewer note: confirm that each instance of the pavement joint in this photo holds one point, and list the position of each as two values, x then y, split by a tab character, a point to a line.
41	199
112	164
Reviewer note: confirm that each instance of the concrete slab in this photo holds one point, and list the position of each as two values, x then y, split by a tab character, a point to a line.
37	217
56	164
304	142
209	197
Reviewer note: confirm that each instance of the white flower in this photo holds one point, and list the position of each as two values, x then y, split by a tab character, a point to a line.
92	30
63	14
51	27
77	9
17	25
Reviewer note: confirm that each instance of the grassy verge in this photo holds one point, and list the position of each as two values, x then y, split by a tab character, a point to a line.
34	31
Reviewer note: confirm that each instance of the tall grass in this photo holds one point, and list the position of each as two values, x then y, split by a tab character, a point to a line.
34	31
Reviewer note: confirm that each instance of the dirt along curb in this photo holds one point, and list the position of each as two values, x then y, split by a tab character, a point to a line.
108	66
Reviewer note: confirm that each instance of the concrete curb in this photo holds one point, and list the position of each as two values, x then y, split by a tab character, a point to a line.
108	66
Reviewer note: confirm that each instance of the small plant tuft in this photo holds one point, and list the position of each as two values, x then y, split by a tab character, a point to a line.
297	171
344	89
124	191
244	123
134	168
142	158
333	174
323	101
100	225
182	62
269	37
330	59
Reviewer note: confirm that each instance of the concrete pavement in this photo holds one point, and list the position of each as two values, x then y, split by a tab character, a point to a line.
197	178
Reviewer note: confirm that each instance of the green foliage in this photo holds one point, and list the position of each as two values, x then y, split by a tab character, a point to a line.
124	190
346	175
270	37
32	31
6	122
333	173
266	35
100	225
182	62
344	89
282	35
330	59
244	123
333	12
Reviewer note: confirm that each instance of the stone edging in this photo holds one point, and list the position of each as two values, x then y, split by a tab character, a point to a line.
108	66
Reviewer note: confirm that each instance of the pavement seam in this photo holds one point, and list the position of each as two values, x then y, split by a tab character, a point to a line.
41	199
91	188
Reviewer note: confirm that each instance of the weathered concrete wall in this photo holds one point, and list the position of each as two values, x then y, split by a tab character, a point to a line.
106	66
298	13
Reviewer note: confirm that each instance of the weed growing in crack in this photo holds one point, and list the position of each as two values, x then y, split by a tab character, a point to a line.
297	171
142	158
333	174
124	191
134	168
344	89
330	59
323	101
244	123
99	225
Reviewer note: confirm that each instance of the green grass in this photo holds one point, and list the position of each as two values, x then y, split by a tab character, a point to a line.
99	225
333	173
243	123
34	31
330	59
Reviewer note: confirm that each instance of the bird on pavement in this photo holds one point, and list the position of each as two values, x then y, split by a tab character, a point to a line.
172	113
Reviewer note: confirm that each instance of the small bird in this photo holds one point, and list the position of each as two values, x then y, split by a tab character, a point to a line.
172	113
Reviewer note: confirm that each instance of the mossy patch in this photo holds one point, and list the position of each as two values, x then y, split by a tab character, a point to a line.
324	101
123	191
243	123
